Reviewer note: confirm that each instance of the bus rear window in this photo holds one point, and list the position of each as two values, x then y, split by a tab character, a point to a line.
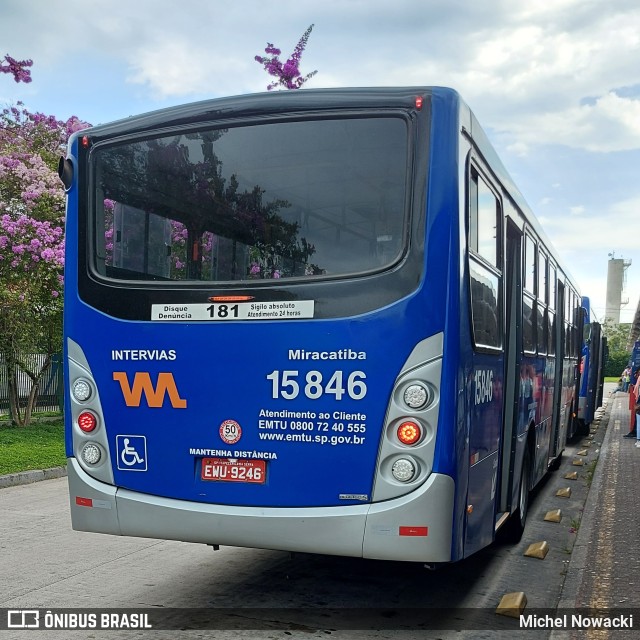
292	199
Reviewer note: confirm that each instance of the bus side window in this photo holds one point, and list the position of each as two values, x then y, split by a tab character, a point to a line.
484	256
551	324
542	303
528	299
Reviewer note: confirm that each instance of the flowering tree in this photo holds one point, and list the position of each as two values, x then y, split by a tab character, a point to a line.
31	246
19	69
287	74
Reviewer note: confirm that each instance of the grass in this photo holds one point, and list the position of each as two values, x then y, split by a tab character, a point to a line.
591	469
575	525
38	446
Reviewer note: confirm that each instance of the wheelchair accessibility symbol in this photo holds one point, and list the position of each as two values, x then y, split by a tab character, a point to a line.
132	453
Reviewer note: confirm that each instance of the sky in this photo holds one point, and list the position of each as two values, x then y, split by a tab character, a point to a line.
554	83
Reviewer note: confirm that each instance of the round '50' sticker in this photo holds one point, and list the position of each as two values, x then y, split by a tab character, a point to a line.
230	431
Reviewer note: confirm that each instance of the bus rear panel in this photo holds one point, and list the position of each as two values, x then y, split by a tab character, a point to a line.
272	330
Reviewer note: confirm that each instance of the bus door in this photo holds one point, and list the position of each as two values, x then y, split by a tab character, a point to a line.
598	346
577	426
485	375
560	414
513	360
594	379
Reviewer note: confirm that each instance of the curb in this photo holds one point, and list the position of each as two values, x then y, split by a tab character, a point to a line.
579	561
27	477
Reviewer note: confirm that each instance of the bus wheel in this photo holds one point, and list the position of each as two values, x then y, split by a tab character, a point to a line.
514	527
583	428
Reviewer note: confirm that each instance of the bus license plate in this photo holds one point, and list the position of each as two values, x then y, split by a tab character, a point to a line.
233	470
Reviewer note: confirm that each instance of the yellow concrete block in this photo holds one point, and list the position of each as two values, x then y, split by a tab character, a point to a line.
586	444
572	475
537	550
553	516
584	452
577	463
512	604
564	493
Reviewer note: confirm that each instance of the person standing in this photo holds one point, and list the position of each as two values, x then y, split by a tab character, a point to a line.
634	393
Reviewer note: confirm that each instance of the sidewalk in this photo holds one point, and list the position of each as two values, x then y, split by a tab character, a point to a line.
604	570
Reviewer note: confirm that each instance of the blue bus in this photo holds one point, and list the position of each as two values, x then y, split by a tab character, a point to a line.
320	321
634	359
594	359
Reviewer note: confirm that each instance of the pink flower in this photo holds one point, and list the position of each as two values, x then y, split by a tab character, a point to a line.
288	74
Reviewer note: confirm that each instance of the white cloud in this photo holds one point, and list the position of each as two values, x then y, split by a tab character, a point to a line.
574	235
171	69
518	148
585	243
555	73
612	123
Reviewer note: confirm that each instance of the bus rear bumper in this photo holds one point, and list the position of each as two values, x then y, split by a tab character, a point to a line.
415	527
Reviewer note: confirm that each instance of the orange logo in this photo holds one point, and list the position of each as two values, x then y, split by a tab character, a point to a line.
153	395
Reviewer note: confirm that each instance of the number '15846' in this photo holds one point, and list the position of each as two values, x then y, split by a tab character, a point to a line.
289	384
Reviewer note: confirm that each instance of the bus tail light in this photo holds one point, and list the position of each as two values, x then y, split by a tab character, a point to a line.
89	443
403	469
81	390
416	396
91	453
231	298
407	447
87	421
409	432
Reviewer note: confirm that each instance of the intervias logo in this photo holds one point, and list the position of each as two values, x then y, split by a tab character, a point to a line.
154	394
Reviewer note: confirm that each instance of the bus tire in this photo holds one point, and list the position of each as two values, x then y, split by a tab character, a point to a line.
557	461
583	428
512	531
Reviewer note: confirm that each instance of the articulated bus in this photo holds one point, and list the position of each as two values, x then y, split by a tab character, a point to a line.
320	321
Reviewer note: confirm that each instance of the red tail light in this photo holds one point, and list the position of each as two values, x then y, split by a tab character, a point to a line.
87	421
409	432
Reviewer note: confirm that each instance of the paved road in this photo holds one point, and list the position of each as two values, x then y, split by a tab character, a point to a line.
45	564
